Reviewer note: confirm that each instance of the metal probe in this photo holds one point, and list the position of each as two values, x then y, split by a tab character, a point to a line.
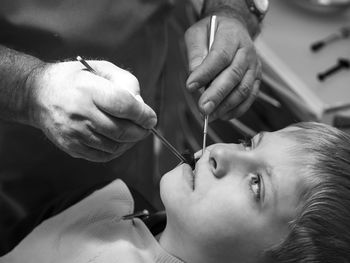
154	131
206	117
88	67
168	145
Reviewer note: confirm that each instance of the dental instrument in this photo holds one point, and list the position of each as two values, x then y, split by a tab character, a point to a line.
342	63
154	131
169	146
141	214
211	40
88	67
343	33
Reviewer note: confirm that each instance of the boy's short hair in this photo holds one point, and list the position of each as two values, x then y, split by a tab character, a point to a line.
321	232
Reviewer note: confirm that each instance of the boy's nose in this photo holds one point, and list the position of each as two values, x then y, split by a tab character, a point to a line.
224	158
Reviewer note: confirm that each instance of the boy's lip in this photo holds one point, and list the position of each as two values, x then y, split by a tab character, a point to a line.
190	175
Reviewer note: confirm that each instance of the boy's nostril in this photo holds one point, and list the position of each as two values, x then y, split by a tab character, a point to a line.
213	162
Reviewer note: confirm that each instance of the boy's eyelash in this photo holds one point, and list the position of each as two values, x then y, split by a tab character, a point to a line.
257	195
246	142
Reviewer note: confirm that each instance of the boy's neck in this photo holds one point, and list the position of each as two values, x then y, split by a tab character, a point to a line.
172	241
175	243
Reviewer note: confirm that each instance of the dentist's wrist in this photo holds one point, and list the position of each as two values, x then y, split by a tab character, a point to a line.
237	9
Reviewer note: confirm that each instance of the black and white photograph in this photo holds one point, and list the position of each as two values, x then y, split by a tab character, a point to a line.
175	131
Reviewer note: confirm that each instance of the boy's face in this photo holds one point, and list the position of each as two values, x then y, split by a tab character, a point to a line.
242	198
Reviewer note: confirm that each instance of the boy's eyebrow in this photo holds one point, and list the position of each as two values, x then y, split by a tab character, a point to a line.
269	171
273	189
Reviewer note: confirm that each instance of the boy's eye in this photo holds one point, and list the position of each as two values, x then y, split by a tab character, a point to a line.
247	143
255	186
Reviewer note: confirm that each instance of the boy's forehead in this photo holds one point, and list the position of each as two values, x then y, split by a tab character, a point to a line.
288	135
291	176
290	130
282	137
284	149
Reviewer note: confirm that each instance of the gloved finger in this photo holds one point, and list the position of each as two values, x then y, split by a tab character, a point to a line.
238	96
219	57
121	104
118	130
242	108
224	84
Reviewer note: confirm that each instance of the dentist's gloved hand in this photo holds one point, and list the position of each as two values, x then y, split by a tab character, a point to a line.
231	70
95	117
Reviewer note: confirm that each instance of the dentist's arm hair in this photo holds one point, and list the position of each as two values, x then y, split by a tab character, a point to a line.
233	8
16	92
92	116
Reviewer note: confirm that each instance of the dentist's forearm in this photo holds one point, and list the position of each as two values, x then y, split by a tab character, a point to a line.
232	8
16	94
